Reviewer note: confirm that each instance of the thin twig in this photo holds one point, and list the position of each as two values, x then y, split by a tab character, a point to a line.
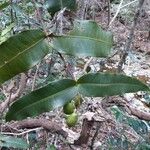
128	4
22	133
95	135
93	11
108	1
14	96
110	22
48	125
87	64
131	36
35	76
61	18
66	66
118	10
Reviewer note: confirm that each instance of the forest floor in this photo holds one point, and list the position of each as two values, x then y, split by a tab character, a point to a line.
137	64
96	133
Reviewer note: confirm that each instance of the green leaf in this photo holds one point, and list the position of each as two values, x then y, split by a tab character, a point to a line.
54	6
4	5
86	39
104	84
58	93
21	52
53	95
9	141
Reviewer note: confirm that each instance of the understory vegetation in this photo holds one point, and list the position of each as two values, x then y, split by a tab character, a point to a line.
75	74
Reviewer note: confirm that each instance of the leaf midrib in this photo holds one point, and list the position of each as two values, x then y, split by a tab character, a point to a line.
72	87
20	53
107	84
44	99
84	37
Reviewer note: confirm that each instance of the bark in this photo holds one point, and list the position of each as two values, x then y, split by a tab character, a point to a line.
48	125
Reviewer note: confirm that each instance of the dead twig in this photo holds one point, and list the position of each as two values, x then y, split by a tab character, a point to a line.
85	132
95	135
35	76
131	36
21	133
120	101
12	97
48	125
139	114
87	64
66	66
118	10
108	1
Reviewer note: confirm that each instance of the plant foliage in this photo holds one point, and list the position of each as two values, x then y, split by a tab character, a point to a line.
12	142
54	6
21	52
60	92
86	39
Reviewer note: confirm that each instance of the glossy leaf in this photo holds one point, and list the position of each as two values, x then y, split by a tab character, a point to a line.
53	95
86	39
104	84
12	142
54	6
21	52
60	92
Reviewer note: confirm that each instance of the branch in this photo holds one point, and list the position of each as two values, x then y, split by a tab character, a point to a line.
95	135
12	97
87	64
140	114
85	132
120	101
35	76
131	36
22	133
36	123
118	10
